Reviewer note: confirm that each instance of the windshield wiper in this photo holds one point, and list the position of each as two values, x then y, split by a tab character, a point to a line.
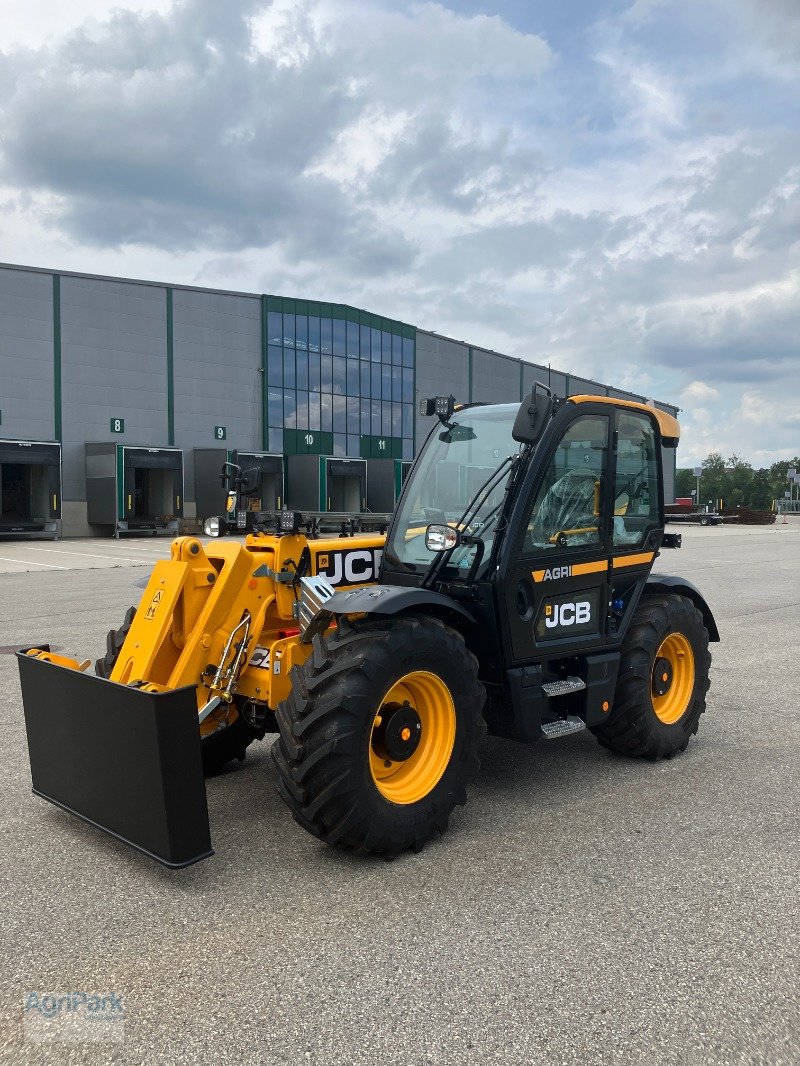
479	498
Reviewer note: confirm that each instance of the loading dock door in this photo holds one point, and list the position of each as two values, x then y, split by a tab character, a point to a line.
30	487
152	486
268	478
380	485
346	485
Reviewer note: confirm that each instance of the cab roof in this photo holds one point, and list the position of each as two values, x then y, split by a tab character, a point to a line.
668	425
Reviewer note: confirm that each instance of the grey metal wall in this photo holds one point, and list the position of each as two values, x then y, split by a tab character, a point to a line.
26	355
495	378
114	361
217	370
533	372
113	365
442	370
584	387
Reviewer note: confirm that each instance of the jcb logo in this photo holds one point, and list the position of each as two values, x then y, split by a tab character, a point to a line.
358	566
567	614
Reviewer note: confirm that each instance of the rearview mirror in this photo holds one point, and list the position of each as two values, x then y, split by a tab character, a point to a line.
533	415
441	538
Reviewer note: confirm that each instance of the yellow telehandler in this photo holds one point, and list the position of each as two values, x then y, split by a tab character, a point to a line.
512	591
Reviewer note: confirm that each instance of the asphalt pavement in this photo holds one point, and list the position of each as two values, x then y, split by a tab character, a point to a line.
583	908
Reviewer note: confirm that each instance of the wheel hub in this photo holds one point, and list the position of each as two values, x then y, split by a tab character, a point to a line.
397	736
662	677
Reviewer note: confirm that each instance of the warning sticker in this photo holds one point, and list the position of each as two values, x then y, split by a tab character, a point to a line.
153	607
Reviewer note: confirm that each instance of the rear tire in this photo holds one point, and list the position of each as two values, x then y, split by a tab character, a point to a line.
666	649
364	693
226	744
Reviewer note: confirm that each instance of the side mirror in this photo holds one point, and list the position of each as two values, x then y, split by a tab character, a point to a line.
248	481
441	538
534	413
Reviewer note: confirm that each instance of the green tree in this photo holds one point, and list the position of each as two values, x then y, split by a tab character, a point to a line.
778	477
737	483
712	482
684	482
761	494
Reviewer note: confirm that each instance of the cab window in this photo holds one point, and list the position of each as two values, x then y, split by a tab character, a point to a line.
636	481
567	511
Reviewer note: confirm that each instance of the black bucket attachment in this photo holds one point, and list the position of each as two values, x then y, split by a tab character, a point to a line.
124	760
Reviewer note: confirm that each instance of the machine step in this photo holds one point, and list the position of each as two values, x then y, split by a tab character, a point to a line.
562	728
561	688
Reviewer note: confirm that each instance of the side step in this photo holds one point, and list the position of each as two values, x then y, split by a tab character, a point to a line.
563	727
561	688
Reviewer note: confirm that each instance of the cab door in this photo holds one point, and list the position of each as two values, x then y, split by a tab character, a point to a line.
555	585
637	508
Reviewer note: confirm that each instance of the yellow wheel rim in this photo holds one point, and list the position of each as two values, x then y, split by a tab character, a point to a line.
422	697
673	668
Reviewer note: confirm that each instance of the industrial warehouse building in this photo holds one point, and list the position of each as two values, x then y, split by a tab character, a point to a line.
120	400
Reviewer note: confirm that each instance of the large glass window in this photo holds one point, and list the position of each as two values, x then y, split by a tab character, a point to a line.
567	510
302	369
352	340
314	410
289	376
274	327
288	330
635	481
339	337
339	414
353	415
408	420
274	365
353	377
313	371
301	332
275	407
313	334
339	375
314	360
326	335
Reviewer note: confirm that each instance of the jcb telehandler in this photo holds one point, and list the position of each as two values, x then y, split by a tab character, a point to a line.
513	590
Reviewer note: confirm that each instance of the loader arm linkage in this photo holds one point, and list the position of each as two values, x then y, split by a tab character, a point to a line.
215	628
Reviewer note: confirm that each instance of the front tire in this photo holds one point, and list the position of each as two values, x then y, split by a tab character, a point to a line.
378	738
662	683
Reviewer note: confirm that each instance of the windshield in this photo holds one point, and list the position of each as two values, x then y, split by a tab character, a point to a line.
455	463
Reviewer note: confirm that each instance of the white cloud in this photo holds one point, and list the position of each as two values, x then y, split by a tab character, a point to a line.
455	171
699	392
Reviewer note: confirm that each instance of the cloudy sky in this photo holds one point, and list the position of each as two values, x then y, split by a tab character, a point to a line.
610	186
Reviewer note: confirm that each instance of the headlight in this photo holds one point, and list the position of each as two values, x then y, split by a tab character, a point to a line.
211	527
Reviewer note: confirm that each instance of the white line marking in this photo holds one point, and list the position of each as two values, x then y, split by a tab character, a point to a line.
85	555
32	562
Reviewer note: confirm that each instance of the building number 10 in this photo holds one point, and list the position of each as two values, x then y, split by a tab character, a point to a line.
309	438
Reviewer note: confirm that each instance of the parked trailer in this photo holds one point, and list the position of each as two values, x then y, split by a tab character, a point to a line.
704	518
